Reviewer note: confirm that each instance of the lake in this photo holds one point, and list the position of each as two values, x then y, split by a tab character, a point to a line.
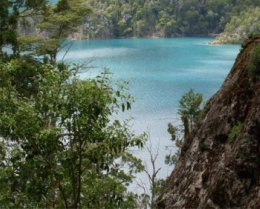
160	71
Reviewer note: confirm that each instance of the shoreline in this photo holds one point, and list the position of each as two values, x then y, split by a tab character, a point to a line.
78	37
212	42
132	38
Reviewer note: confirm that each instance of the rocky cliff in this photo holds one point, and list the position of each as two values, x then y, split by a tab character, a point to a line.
220	163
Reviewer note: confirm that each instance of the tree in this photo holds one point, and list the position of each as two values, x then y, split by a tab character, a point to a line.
57	23
148	199
177	139
153	175
64	152
59	147
189	111
11	12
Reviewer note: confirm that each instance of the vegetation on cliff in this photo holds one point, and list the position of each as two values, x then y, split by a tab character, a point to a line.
189	111
254	65
219	162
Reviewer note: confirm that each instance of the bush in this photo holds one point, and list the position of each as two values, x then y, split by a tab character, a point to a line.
234	132
254	65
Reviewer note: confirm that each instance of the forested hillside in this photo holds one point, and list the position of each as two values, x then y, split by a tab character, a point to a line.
240	27
161	18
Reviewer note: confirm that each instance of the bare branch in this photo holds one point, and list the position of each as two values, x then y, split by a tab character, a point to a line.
66	52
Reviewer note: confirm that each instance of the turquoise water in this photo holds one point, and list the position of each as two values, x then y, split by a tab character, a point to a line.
160	71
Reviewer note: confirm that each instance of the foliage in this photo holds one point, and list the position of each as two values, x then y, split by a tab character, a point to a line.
113	19
254	64
164	18
57	23
63	149
171	159
59	146
157	190
11	12
189	111
241	26
234	132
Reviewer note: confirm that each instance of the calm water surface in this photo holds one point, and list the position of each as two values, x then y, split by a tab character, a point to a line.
160	71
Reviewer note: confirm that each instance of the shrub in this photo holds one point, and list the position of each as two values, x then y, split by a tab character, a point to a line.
234	132
254	65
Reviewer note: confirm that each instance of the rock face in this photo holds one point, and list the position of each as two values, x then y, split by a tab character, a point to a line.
220	163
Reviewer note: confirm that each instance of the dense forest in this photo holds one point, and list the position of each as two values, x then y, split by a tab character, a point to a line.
154	18
161	18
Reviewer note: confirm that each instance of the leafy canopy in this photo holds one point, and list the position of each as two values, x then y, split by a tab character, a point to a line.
59	145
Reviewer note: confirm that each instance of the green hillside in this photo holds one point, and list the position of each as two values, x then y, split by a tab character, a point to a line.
161	18
240	27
